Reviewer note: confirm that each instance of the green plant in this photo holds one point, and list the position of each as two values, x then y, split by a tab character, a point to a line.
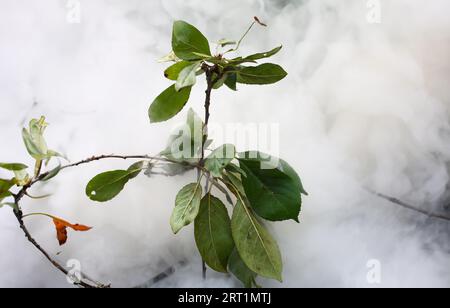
264	188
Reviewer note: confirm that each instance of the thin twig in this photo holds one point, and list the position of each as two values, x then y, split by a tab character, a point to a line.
409	206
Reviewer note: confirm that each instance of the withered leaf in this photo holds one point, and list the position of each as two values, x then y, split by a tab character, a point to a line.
61	229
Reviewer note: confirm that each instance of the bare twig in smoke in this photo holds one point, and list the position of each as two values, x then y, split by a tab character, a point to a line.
409	206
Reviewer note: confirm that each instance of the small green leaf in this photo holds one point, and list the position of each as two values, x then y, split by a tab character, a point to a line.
168	104
188	40
235	169
234	182
135	169
52	173
219	159
220	82
12	205
225	42
238	268
231	81
203	56
188	76
274	191
170	57
187	205
5	186
173	71
213	233
35	142
21	177
108	185
240	60
255	245
174	169
13	167
5	195
185	144
263	55
267	73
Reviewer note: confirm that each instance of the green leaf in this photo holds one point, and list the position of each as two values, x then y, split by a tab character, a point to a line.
231	81
136	169
187	205
240	60
267	73
187	40
235	169
12	205
274	191
263	55
238	268
108	185
220	82
185	145
13	167
234	182
174	169
213	233
255	245
226	42
168	104
173	71
219	159
52	173
5	195
5	186
188	76
35	142
170	57
21	177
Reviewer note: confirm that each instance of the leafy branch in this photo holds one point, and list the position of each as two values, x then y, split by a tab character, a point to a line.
260	188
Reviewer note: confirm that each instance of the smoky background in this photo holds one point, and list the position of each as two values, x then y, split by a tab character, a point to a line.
365	105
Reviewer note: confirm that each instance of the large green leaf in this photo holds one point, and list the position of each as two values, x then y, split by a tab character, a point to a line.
219	159
168	104
213	233
188	76
188	40
238	268
267	73
108	185
255	245
174	70
263	55
187	205
274	192
13	167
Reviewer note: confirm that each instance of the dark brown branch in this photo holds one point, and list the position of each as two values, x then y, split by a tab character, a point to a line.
39	177
24	192
409	206
19	215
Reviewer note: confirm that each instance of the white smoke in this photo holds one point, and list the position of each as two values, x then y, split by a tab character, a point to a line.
365	105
